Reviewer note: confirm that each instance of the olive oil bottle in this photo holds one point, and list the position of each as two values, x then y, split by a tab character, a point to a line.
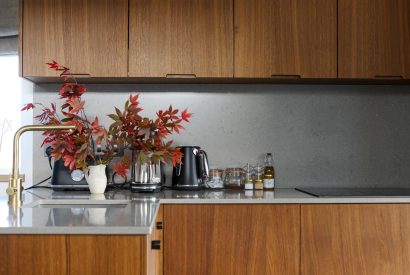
268	172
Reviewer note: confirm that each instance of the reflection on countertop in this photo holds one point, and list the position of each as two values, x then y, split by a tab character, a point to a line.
77	213
122	212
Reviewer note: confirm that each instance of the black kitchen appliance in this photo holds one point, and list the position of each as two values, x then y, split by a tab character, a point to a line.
194	169
64	179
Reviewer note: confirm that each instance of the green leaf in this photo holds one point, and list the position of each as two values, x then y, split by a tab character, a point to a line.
142	157
118	112
82	148
66	119
113	117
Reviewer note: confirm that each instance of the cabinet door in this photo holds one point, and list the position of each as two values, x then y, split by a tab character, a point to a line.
181	38
33	254
231	239
355	239
374	39
286	38
107	254
88	36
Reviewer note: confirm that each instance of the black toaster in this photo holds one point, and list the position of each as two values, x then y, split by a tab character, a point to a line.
64	179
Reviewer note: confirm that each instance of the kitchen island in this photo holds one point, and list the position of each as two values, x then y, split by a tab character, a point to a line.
205	232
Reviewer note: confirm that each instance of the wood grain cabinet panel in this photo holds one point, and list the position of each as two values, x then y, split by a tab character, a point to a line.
355	239
231	239
374	38
107	254
181	38
89	36
33	254
286	38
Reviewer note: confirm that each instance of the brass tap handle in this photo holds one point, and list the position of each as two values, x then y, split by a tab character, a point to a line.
11	191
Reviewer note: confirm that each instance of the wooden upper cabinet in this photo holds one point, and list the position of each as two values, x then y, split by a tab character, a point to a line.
286	38
179	37
374	38
231	239
89	36
355	239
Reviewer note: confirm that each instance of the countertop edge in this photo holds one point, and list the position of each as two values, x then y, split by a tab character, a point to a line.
121	230
361	200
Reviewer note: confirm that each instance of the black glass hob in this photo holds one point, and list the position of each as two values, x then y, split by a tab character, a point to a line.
356	192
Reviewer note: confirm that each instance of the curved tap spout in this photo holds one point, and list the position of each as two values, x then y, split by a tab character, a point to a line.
15	184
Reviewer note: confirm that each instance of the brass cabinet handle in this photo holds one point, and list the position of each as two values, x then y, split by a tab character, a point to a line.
181	76
389	76
286	76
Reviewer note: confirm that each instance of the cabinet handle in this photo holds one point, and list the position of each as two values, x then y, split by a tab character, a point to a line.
389	76
181	76
286	76
156	245
79	75
160	225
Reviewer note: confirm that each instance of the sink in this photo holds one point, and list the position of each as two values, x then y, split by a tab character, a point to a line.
77	203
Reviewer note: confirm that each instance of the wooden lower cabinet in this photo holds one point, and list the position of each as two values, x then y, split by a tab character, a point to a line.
106	254
80	254
351	239
231	239
33	255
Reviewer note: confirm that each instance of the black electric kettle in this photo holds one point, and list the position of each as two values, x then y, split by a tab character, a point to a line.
194	169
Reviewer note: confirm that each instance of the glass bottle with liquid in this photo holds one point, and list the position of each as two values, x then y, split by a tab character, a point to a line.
268	172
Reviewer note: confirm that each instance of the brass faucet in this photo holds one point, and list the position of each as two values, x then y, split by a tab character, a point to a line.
16	182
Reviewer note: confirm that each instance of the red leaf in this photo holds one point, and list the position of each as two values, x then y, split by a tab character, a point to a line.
28	107
176	157
76	105
185	115
53	65
134	99
95	123
121	169
69	161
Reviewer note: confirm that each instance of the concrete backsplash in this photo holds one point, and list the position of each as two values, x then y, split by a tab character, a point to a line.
321	135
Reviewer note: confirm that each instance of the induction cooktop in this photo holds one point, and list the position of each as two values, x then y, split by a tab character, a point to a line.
356	192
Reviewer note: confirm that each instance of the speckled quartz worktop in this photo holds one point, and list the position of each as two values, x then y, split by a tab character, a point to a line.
121	212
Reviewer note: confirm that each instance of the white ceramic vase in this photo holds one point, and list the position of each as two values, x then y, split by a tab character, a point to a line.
96	178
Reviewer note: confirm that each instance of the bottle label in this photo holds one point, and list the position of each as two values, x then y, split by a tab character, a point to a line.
268	183
249	186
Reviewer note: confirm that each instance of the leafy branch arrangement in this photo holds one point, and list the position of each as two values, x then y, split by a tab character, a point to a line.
144	136
75	148
129	130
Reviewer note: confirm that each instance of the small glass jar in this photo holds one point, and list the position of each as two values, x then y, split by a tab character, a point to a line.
233	178
258	182
214	180
248	177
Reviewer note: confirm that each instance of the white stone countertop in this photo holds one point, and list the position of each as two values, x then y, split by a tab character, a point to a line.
121	212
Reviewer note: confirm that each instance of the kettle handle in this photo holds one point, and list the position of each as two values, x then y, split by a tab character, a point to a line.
204	165
178	169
